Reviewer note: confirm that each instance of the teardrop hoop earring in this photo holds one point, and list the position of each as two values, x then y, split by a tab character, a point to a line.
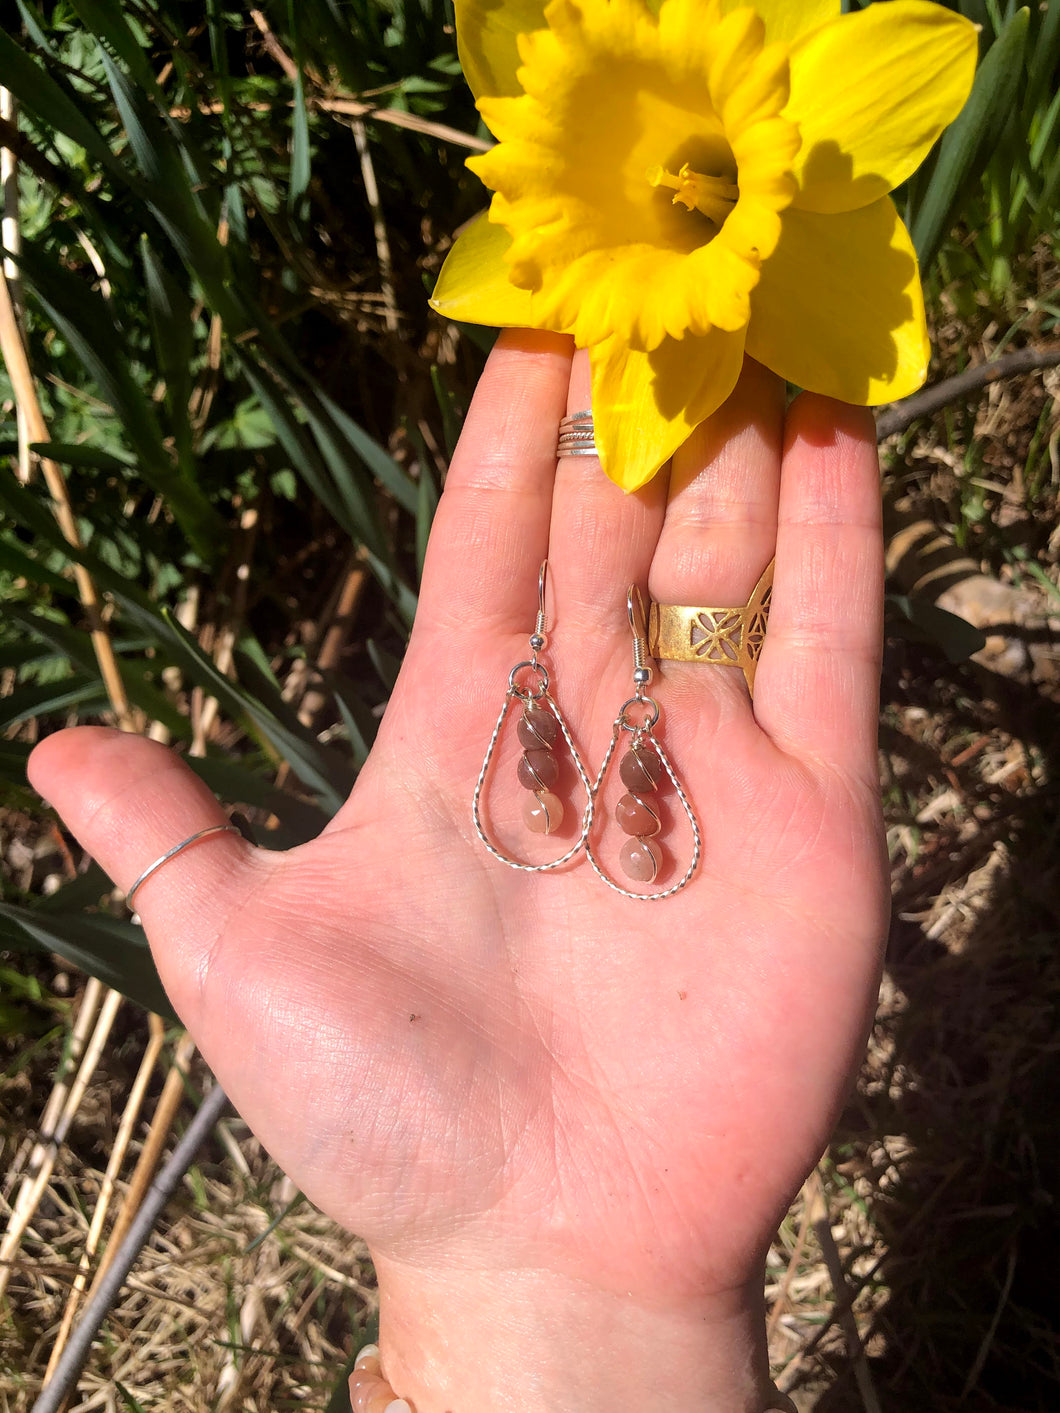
538	728
642	769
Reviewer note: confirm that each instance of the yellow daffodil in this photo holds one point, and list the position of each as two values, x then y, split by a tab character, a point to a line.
678	183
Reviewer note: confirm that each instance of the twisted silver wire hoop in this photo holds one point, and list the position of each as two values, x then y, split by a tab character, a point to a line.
515	693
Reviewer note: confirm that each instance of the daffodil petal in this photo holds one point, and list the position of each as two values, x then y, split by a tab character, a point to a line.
474	286
839	308
646	405
487	33
870	93
787	19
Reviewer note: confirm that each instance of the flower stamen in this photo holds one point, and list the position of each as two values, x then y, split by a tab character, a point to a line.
714	197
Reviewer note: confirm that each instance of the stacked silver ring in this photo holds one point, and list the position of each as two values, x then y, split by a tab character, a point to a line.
576	436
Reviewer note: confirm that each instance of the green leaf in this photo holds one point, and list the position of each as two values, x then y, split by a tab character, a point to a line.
447	407
41	699
969	142
1042	63
85	454
87	323
361	726
957	638
105	20
298	182
35	27
41	95
299	821
76	645
173	331
115	952
390	473
311	762
19	562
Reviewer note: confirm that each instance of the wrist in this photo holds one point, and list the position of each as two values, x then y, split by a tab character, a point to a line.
522	1341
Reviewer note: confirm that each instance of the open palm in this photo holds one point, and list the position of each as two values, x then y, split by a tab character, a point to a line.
480	1069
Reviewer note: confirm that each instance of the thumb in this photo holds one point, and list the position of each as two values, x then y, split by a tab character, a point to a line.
129	801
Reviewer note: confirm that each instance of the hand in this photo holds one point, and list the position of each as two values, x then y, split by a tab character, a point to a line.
566	1123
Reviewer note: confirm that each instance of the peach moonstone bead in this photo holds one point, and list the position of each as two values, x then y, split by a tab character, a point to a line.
640	860
543	812
633	816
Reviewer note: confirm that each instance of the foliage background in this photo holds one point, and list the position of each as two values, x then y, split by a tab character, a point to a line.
224	222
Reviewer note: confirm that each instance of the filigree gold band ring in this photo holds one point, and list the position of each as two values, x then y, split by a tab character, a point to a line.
722	637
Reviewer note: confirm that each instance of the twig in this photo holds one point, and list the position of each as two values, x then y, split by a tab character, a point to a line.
855	1350
354	108
35	1150
781	1298
36	1181
921	404
273	45
333	643
114	1162
988	1339
12	241
13	351
108	1285
382	241
237	567
150	1154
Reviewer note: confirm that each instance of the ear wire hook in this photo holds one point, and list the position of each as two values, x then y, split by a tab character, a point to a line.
643	673
539	637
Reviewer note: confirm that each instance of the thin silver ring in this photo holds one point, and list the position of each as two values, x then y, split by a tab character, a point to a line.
172	854
577	435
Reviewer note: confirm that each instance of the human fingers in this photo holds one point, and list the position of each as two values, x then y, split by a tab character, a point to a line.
490	531
817	689
129	800
601	540
719	533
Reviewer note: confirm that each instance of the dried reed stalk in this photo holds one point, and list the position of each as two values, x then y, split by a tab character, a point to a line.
36	1180
151	1153
114	1161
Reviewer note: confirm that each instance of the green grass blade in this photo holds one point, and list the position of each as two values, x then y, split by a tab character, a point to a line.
298	179
105	20
42	699
76	645
236	784
87	323
322	770
1043	62
115	952
85	454
170	312
50	104
390	473
969	142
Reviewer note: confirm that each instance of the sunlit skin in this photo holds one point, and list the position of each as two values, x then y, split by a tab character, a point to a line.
566	1123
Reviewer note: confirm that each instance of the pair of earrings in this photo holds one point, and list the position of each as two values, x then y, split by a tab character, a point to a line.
644	766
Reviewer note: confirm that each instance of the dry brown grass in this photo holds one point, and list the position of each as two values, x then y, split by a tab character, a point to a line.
218	1315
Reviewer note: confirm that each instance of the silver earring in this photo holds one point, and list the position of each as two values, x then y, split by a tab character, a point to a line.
643	767
540	725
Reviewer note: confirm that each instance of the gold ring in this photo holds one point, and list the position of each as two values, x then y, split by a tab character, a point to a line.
722	637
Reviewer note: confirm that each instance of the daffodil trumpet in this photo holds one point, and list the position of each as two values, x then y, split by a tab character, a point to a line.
680	184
